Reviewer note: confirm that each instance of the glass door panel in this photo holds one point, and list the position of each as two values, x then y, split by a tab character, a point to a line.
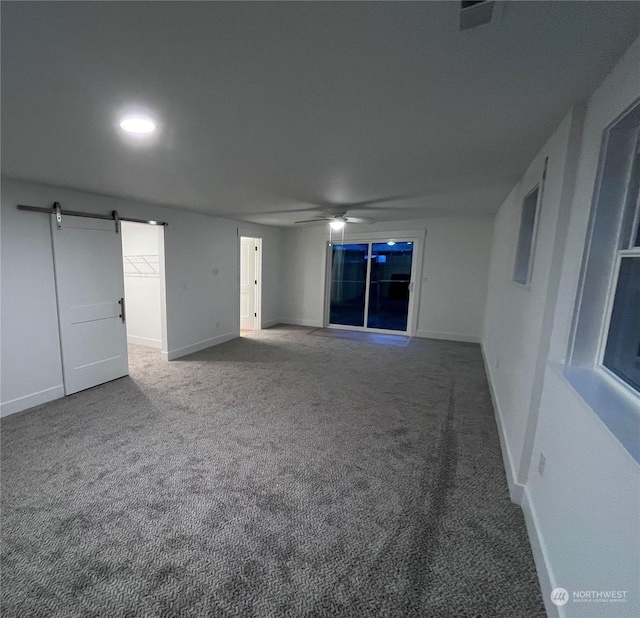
348	284
389	285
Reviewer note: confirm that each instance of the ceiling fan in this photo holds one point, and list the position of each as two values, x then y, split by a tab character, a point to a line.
337	220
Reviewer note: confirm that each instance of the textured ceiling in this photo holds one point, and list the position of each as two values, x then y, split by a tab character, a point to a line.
272	110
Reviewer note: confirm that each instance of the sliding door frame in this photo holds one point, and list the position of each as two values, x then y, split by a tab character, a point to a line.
415	237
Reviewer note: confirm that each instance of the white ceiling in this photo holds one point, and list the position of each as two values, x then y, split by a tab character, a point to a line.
273	110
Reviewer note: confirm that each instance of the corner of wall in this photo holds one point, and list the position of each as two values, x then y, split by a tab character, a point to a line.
270	323
197	347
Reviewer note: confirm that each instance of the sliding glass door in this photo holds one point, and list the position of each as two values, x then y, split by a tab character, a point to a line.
370	285
348	284
389	285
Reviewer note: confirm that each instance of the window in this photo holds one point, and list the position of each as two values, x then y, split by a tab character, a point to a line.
606	318
621	353
526	239
603	357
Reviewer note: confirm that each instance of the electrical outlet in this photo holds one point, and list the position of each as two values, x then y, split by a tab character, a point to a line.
543	460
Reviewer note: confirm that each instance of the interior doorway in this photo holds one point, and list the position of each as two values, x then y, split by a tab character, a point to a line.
142	258
371	285
250	284
102	312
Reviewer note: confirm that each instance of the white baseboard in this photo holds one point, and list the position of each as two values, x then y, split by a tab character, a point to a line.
270	323
434	334
196	347
297	322
146	341
520	495
540	557
29	401
515	489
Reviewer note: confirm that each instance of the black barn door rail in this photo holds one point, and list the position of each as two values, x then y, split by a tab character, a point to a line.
57	210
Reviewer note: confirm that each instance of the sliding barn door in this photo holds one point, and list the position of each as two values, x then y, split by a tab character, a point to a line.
90	291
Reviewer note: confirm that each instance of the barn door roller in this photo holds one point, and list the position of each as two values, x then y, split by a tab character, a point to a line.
56	206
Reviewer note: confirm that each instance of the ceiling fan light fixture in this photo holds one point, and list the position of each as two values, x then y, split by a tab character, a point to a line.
140	125
338	224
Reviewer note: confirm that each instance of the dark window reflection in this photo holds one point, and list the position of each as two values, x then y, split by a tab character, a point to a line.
348	284
622	354
389	287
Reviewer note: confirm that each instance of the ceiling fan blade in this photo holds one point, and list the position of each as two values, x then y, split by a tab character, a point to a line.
360	220
315	220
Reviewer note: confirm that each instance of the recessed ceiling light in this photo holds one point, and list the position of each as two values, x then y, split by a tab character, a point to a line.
138	124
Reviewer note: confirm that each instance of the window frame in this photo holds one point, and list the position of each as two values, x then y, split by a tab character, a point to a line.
615	402
629	249
534	237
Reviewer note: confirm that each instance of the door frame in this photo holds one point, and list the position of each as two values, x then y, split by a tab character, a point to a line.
163	285
258	272
417	238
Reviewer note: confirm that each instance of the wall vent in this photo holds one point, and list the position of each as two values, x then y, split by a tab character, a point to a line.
474	13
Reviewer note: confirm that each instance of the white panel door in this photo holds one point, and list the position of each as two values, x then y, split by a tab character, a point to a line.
248	283
89	286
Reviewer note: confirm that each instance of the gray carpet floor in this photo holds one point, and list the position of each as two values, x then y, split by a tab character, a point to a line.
276	475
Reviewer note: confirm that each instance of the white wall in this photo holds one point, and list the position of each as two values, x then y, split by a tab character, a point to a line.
30	362
514	316
202	308
142	290
583	512
456	266
454	273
